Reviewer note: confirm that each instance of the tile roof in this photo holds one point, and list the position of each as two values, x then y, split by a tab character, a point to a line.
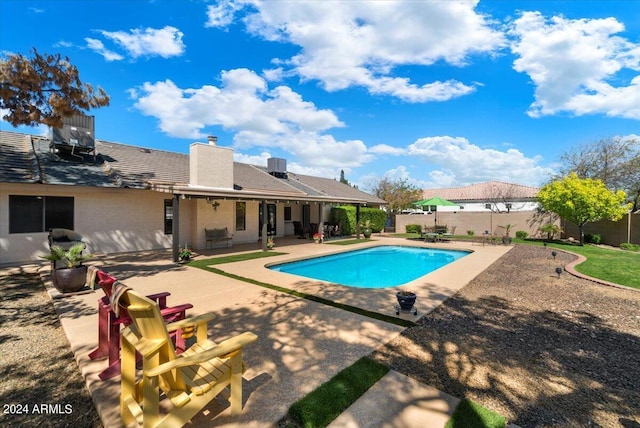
483	191
18	162
28	159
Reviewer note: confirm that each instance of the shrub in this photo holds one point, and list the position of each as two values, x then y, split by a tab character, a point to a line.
630	247
346	217
470	232
521	234
414	228
590	238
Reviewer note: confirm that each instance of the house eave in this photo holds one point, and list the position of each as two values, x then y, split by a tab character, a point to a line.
211	192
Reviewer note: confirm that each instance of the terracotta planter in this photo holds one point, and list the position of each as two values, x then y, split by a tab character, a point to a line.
69	280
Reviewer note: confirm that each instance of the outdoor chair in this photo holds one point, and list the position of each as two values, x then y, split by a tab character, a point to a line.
448	234
186	382
65	238
110	323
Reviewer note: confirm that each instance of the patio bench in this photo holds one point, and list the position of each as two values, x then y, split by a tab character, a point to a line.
218	235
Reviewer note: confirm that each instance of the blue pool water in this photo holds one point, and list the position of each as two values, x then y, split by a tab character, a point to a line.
377	267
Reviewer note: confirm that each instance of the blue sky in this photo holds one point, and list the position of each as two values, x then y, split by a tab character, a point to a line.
441	93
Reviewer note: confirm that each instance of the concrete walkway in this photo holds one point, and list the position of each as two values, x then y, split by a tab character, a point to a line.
301	344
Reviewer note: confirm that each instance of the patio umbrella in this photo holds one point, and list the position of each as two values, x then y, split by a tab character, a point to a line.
435	201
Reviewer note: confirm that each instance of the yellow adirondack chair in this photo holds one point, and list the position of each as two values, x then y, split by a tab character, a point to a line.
189	380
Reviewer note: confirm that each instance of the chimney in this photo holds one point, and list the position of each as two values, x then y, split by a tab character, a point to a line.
213	140
210	165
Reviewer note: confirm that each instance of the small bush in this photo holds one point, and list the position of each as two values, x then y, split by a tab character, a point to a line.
414	228
590	238
630	247
470	232
521	234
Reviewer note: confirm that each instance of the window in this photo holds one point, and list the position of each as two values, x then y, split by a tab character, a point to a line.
241	216
287	213
29	214
168	216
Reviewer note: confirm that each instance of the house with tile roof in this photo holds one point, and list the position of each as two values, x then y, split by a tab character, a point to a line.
130	198
491	196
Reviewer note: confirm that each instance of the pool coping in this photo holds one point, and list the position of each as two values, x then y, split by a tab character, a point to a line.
431	289
273	264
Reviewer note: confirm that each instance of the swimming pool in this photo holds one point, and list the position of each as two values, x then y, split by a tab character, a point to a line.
376	267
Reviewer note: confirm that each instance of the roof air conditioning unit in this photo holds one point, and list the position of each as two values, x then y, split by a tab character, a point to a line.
76	135
277	167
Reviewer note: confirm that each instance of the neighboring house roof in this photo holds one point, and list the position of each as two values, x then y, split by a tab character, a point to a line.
28	159
484	191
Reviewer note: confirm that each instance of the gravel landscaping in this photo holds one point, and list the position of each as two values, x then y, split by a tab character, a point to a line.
40	384
543	351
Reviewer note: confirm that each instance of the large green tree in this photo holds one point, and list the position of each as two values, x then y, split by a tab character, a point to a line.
582	200
398	193
43	89
615	161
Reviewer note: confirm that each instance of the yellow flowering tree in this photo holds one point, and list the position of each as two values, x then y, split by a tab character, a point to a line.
582	200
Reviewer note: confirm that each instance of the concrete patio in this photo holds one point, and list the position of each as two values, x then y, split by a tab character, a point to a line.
301	344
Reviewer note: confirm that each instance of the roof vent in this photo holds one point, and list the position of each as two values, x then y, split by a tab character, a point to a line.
277	167
76	135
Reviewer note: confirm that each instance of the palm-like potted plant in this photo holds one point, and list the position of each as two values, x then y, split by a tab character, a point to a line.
366	228
67	272
506	238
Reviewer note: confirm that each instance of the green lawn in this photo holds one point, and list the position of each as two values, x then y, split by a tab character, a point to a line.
468	414
617	266
329	400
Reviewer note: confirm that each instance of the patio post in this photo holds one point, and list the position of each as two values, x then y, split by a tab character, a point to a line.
175	227
357	221
263	231
320	218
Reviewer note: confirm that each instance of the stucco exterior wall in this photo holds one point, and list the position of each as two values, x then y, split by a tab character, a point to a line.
478	222
110	220
613	233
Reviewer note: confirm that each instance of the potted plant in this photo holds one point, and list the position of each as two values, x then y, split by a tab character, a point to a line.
67	272
406	300
366	228
270	243
506	239
185	254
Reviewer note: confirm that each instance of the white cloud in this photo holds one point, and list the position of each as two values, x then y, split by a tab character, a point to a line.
261	117
460	162
358	43
98	47
326	172
573	64
165	42
385	149
221	15
260	160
